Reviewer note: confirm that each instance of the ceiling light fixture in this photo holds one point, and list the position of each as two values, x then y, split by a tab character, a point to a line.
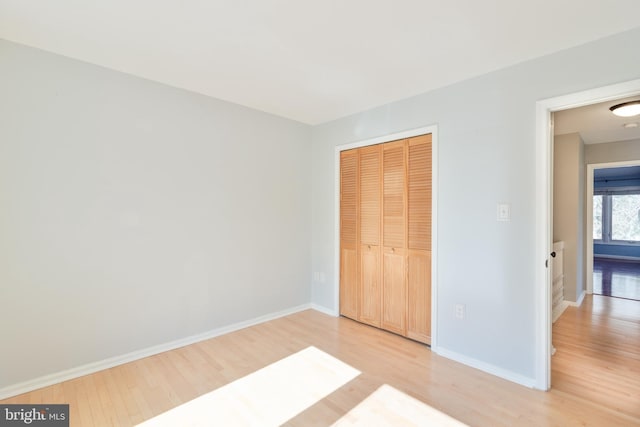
626	109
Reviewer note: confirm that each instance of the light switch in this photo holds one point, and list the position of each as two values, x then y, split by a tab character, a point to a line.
504	212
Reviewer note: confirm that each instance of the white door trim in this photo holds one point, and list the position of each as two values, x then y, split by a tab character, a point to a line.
433	130
544	192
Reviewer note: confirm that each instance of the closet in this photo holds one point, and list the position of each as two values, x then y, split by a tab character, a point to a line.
385	236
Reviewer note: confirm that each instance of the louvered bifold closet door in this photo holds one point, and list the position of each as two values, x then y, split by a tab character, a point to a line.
385	236
349	294
370	227
394	232
419	239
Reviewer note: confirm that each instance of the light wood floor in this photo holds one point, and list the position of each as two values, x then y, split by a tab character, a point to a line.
598	353
596	373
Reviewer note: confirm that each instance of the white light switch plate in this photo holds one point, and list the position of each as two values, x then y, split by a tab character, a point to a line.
504	212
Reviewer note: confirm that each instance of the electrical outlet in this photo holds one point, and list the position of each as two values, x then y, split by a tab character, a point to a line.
459	310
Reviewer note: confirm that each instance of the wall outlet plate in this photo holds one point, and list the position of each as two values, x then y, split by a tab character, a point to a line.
459	311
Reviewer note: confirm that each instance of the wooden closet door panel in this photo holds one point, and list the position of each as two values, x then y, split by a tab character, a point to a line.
394	195
419	296
371	290
348	196
394	233
369	219
419	183
370	194
419	193
349	283
394	291
349	296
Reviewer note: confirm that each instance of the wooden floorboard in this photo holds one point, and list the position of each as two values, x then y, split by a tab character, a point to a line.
616	278
595	373
598	353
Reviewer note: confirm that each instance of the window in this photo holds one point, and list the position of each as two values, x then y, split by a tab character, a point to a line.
625	219
616	218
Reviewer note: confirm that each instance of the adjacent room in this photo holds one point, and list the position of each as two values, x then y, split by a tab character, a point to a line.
318	213
616	232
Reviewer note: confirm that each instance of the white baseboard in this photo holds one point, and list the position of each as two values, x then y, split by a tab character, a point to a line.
90	368
577	303
487	367
325	310
563	307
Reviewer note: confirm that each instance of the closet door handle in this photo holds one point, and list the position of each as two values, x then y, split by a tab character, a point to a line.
553	254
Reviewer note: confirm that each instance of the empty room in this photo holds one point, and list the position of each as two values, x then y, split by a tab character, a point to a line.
315	213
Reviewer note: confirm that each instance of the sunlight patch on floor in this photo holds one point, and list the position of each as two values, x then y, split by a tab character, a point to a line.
388	406
267	397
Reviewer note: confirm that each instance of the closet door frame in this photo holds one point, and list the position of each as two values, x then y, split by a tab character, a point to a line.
433	130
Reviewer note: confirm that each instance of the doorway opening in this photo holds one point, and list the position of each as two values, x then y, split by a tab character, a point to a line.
544	208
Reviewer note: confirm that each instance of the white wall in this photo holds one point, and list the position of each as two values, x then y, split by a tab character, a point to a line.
612	152
486	156
133	214
568	209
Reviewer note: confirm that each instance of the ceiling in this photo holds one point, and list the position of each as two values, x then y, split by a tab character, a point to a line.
596	124
311	61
